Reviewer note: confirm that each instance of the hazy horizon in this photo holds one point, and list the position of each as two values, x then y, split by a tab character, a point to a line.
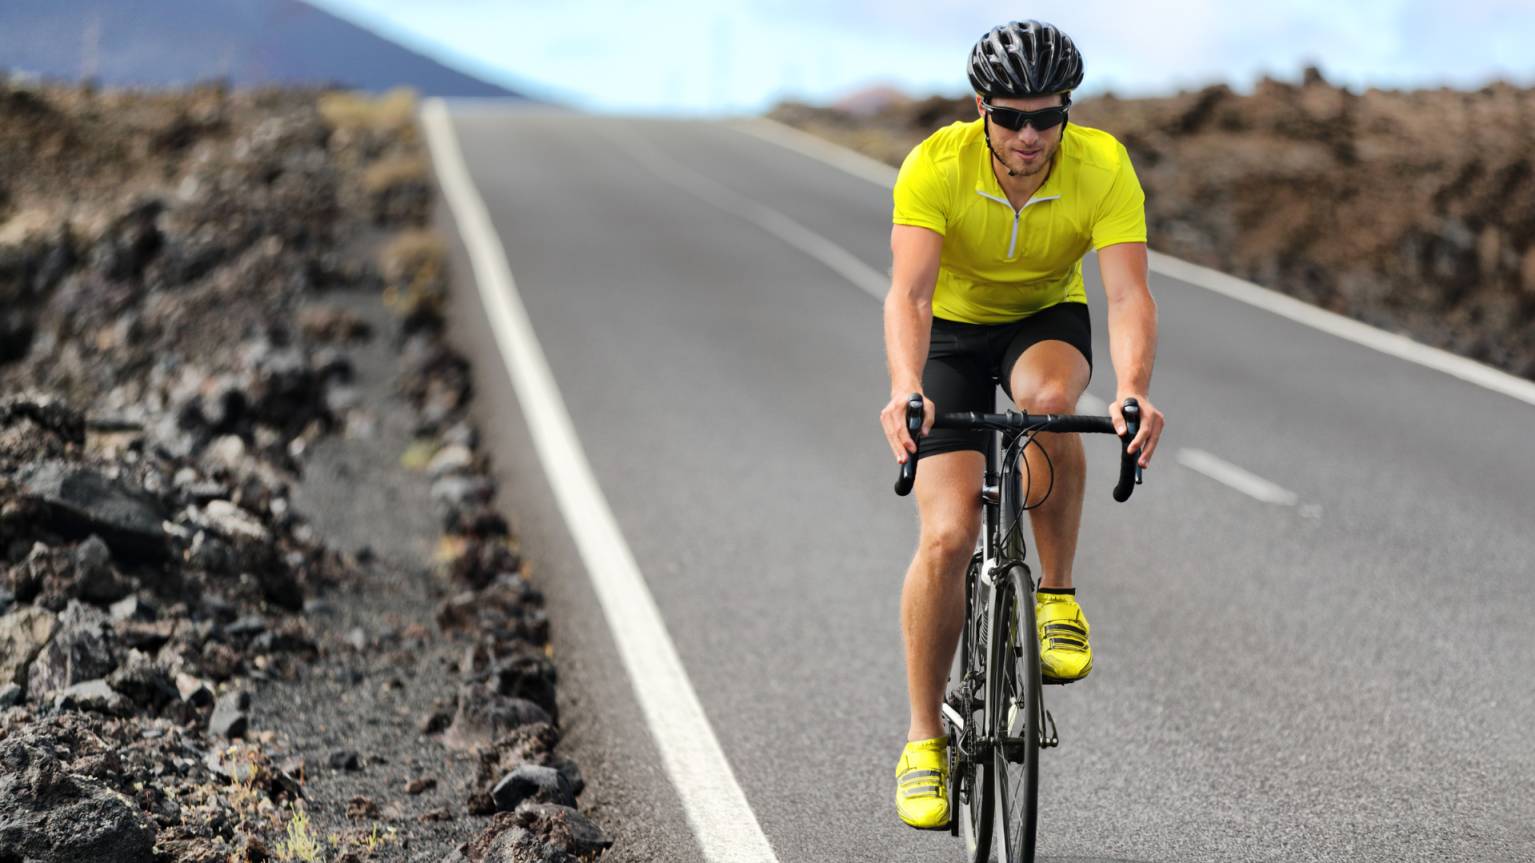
676	57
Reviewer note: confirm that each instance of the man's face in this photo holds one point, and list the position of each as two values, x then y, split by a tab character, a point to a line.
1028	150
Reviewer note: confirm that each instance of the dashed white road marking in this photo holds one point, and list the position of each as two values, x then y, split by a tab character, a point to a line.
1226	473
1393	344
839	260
820	149
722	820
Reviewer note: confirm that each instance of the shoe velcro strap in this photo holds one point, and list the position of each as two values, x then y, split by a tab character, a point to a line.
921	783
1068	628
1068	643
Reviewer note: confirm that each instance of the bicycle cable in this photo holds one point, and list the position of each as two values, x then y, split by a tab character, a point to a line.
1014	452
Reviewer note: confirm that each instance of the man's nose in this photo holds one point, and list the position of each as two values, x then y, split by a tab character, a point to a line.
1028	134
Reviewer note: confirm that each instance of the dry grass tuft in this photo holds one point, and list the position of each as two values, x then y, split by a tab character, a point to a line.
392	113
300	844
393	172
413	259
414	267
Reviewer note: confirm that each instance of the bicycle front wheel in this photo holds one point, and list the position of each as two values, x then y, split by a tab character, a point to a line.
1014	695
972	796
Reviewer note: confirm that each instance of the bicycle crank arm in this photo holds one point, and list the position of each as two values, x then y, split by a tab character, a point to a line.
953	716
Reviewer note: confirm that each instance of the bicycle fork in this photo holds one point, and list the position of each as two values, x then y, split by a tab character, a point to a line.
1049	738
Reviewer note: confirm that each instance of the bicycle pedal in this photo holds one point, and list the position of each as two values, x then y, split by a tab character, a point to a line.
1047	680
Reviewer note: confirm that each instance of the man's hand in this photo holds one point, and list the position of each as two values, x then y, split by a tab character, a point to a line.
1145	442
893	418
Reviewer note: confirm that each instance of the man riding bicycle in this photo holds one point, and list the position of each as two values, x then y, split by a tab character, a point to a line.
992	219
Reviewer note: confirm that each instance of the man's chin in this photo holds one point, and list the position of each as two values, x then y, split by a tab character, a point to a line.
1029	169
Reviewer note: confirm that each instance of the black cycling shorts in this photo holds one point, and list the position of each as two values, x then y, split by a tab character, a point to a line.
965	362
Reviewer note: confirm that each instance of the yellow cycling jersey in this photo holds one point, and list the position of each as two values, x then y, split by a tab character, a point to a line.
1000	264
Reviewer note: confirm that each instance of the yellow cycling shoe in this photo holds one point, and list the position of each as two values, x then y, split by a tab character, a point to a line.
1064	654
922	784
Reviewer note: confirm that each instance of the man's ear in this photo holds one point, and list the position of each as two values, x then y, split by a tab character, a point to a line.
978	109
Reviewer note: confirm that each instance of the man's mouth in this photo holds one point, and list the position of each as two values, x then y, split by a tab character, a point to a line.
1028	155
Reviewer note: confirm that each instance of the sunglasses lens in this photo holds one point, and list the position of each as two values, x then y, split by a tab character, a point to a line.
1007	118
1049	119
1013	119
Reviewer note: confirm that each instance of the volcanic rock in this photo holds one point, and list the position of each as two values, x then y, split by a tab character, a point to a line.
93	695
82	648
82	501
133	608
344	759
23	633
229	521
144	682
97	581
230	717
564	827
532	781
543	832
484	715
48	813
361	807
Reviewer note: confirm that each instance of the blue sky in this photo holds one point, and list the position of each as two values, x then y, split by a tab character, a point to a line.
673	56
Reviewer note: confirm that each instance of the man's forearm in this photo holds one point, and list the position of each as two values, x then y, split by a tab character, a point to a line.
1133	340
908	324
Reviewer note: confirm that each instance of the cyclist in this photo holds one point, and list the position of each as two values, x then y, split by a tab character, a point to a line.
991	221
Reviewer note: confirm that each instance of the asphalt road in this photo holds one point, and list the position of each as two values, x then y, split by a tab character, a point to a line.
1349	678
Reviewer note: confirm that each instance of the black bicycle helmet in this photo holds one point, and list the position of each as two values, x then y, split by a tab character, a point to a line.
1024	58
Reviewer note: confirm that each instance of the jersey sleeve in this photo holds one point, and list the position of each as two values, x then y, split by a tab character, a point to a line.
1122	213
921	195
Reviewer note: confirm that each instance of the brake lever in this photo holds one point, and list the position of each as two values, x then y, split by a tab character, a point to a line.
908	476
1130	474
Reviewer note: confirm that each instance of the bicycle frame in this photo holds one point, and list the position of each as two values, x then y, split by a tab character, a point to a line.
1000	547
983	741
997	551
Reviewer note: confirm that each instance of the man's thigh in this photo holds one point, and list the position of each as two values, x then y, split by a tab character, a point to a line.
1048	360
956	377
948	492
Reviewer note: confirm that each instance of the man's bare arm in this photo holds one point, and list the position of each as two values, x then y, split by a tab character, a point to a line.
914	254
1132	338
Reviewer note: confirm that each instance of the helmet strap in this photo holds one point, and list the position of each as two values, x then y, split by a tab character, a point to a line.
986	130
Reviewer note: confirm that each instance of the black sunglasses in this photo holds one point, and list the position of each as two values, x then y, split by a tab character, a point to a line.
1012	118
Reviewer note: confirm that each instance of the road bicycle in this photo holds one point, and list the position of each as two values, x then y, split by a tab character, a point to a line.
995	711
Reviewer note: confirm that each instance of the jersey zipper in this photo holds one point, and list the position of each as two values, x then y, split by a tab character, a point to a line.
1012	243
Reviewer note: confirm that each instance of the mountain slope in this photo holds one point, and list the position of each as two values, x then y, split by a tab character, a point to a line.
248	42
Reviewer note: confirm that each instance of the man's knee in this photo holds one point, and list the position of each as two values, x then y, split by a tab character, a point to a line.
947	545
1049	377
1047	397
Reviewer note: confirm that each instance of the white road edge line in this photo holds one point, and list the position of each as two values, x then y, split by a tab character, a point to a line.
722	820
1226	473
1392	344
